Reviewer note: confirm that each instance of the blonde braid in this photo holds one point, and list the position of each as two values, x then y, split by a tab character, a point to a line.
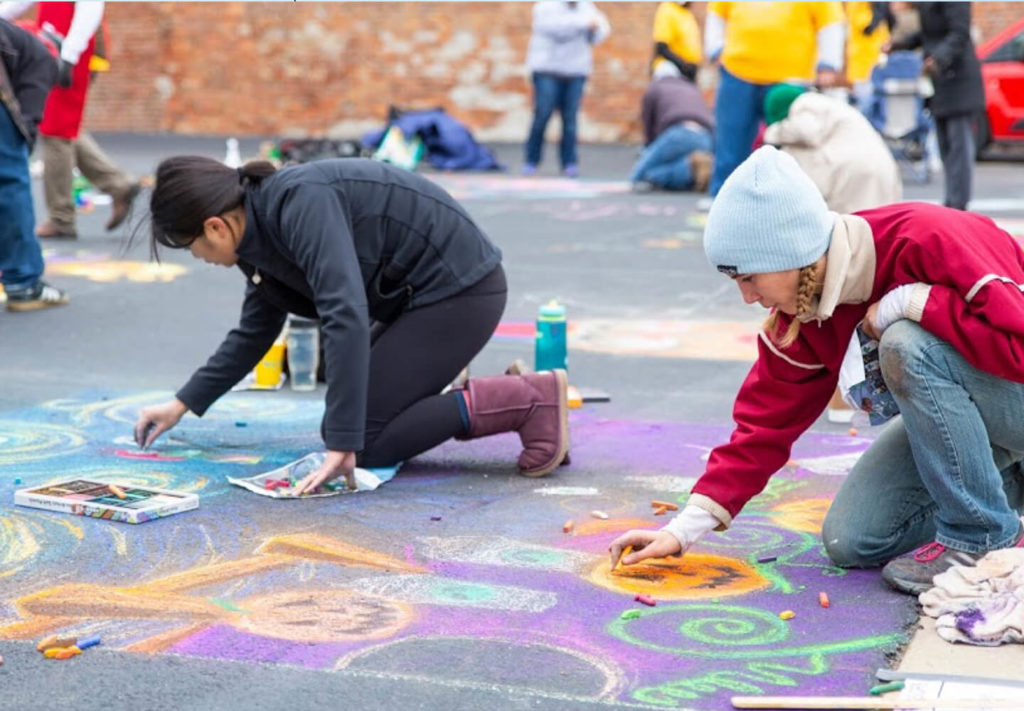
807	287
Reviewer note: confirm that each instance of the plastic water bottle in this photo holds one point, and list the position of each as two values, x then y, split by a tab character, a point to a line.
233	156
303	349
550	349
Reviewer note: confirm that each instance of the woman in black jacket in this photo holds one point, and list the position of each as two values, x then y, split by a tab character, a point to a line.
352	241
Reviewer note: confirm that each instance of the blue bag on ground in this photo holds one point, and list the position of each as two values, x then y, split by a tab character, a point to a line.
449	144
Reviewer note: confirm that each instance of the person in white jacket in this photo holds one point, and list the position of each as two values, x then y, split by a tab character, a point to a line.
835	145
845	158
560	58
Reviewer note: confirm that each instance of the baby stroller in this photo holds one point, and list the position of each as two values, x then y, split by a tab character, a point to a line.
896	110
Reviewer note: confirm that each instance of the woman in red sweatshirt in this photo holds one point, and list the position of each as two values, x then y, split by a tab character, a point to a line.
943	292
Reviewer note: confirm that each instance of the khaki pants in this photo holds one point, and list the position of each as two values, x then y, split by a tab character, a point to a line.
60	156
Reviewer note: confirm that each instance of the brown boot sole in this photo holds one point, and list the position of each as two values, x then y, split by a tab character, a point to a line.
33	305
561	456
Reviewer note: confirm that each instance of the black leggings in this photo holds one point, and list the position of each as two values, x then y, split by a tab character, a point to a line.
413	359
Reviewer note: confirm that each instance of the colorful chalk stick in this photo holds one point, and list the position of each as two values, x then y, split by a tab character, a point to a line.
630	615
645	599
89	642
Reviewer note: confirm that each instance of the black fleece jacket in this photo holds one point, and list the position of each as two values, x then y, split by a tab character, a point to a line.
346	241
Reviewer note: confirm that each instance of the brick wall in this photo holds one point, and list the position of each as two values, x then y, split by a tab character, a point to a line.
246	68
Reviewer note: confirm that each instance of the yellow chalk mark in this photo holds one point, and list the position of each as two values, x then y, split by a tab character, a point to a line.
807	515
590	526
312	546
694	577
165	640
218	573
111	271
120	541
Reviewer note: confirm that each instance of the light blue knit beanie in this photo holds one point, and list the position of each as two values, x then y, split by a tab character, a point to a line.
767	217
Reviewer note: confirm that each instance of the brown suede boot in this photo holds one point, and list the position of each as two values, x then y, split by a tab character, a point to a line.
701	164
533	405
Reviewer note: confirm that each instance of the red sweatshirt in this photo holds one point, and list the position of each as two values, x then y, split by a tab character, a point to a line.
975	302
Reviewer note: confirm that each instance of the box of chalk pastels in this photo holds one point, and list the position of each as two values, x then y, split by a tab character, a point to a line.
128	504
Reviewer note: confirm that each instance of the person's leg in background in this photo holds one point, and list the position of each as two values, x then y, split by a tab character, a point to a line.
108	178
21	258
545	98
956	146
674	167
58	166
569	107
738	111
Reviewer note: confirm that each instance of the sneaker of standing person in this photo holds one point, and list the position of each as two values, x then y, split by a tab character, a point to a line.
571	171
913	572
121	207
49	230
529	170
32	298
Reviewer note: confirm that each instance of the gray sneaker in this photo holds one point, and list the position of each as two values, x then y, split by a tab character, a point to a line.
913	573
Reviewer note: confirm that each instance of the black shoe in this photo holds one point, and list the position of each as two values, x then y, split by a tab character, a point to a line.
33	298
122	207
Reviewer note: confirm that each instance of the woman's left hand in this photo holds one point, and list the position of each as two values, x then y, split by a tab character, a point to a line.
335	465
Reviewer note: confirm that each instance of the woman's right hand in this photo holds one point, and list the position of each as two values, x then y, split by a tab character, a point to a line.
156	419
645	544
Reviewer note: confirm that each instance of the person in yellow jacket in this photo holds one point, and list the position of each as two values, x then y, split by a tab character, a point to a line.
677	39
758	45
869	24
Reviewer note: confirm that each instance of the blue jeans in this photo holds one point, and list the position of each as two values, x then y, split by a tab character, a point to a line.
739	108
948	469
666	161
21	258
551	92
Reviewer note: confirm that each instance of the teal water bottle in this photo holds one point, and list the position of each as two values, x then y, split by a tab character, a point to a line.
550	349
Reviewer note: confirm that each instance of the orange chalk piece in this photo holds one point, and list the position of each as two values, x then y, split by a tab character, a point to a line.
67	653
660	511
573	398
645	599
787	615
668	505
853	431
55	642
823	599
116	491
567	526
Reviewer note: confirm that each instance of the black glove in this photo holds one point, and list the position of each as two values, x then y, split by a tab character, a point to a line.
64	72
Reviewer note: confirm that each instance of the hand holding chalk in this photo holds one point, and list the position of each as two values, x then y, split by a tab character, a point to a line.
645	544
155	420
335	464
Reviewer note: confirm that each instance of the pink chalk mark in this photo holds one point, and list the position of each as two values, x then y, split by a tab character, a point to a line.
153	456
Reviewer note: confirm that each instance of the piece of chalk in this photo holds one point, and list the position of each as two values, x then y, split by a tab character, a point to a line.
599	514
853	431
660	511
116	491
787	615
241	424
67	653
630	615
435	518
89	642
667	504
823	599
883	688
55	642
768	559
17	481
645	599
53	651
567	526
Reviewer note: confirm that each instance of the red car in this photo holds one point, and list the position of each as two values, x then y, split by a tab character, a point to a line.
1002	72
